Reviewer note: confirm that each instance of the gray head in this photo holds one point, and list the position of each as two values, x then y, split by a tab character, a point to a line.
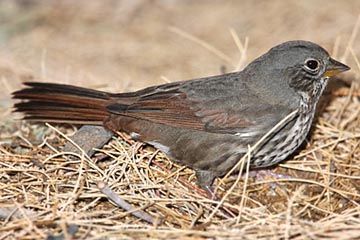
299	65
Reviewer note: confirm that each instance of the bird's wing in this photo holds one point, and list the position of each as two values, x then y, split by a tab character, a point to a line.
218	110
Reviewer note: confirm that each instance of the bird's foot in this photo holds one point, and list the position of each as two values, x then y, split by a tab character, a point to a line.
261	175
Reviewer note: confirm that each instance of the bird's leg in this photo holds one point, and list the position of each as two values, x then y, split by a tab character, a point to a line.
87	138
205	179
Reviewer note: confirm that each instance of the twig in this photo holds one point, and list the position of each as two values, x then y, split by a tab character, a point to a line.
105	189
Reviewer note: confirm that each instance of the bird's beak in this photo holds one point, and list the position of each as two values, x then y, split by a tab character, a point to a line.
334	67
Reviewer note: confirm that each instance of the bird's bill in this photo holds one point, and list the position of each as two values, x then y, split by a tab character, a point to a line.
334	67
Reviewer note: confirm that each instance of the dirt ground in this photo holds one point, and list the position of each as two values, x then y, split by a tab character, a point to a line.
127	45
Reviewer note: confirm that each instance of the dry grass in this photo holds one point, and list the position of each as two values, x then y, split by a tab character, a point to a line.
45	191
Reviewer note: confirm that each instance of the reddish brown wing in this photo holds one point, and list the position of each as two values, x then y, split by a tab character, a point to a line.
169	105
166	106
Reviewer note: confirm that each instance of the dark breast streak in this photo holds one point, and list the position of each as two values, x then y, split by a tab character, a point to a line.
288	139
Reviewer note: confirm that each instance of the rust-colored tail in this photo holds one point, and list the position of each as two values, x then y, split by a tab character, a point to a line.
49	102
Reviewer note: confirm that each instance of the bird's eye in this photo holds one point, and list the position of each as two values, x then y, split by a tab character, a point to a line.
312	64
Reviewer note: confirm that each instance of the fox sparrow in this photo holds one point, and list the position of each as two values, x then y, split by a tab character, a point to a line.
207	123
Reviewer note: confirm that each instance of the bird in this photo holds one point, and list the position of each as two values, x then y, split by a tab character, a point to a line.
206	124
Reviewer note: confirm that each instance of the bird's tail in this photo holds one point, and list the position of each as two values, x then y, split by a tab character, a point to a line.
49	102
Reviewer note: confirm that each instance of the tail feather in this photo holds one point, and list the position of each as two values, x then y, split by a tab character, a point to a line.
39	87
49	102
